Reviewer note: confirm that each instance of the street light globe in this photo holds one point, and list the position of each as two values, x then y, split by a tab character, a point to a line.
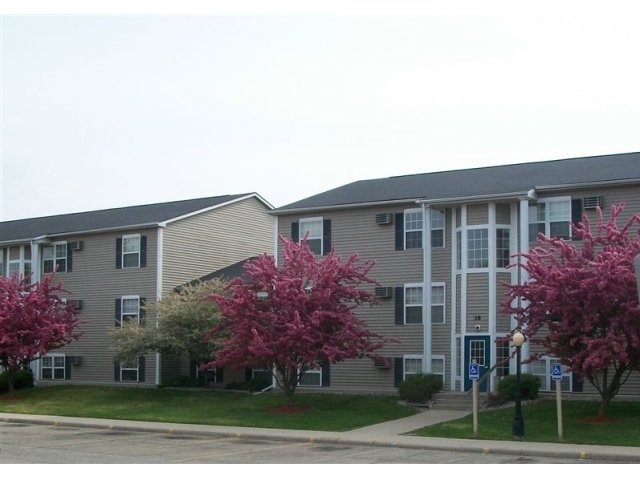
518	339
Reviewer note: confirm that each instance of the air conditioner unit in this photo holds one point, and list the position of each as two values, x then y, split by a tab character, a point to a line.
75	245
75	360
77	304
591	202
384	292
382	362
384	218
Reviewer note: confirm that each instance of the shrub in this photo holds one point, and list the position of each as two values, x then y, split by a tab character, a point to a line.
529	384
22	379
420	388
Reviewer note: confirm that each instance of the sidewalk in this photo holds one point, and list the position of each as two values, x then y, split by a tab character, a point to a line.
391	434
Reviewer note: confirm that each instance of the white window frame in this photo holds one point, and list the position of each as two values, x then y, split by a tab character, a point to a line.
439	222
131	248
58	252
435	360
20	265
441	304
127	314
315	239
54	366
541	368
414	300
552	215
312	373
479	247
128	368
503	250
413	223
413	361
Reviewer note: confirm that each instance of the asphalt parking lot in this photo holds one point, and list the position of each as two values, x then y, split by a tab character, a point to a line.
25	443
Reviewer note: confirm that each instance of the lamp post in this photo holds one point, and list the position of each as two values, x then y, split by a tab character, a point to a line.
518	421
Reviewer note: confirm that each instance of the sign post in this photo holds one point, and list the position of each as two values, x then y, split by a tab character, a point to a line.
556	375
474	375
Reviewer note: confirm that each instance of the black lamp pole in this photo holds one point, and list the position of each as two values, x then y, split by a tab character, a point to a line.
518	421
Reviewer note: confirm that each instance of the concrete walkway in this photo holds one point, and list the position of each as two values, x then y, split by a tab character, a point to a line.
392	434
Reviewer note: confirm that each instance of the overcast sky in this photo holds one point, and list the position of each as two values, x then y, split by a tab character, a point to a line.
102	111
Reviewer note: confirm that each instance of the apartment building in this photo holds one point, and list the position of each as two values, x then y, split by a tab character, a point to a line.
442	242
113	261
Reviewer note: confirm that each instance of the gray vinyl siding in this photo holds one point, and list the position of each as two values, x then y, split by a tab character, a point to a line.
96	281
201	244
503	320
477	302
477	214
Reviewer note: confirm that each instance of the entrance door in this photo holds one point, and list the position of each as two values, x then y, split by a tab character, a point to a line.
477	349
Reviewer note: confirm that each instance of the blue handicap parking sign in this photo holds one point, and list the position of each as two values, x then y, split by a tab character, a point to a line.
556	371
474	371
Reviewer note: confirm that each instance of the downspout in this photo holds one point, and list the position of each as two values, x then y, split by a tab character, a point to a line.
426	288
159	274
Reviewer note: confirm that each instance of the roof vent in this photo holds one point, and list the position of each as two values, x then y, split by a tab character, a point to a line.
591	202
384	218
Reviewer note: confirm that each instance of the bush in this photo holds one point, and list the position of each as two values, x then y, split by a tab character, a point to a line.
420	388
22	379
529	384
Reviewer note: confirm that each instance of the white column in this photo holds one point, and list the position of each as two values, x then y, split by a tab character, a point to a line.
426	288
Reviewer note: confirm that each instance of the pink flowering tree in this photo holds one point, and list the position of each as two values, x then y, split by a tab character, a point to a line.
580	303
295	316
33	321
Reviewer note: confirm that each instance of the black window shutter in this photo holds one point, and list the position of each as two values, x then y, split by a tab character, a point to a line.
119	252
247	374
576	210
67	368
143	251
118	312
295	231
398	371
399	311
399	221
116	371
69	258
219	375
326	374
326	236
577	384
143	302
141	368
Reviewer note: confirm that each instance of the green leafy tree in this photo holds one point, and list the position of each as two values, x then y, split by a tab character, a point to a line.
177	326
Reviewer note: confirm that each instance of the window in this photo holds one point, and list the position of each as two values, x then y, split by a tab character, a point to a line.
477	352
478	248
53	367
437	367
550	217
413	303
412	366
1	262
437	229
19	261
413	228
262	375
437	303
503	254
130	371
311	378
131	251
129	308
312	228
541	368
54	257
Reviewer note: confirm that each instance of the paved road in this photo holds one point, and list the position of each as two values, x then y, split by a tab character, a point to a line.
25	443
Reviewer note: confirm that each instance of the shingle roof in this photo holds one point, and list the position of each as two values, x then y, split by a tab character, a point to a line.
226	274
483	181
115	218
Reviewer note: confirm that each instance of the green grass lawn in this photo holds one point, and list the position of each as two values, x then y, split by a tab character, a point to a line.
579	424
324	412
